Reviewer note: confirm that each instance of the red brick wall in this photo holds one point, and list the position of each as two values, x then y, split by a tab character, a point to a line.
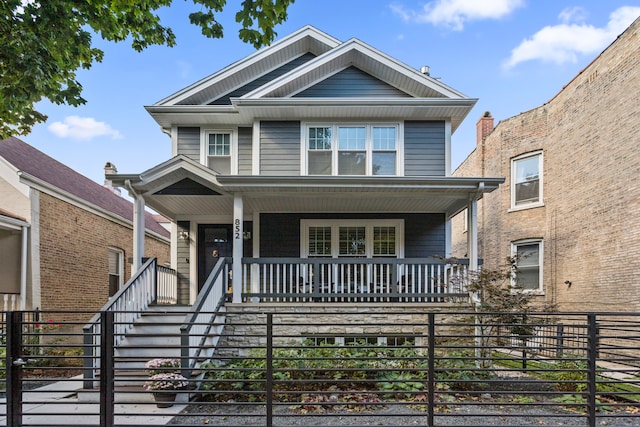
74	255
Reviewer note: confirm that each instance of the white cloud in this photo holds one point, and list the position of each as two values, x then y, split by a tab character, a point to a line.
82	128
455	13
564	42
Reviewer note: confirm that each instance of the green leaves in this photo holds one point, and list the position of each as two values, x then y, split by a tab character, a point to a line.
44	43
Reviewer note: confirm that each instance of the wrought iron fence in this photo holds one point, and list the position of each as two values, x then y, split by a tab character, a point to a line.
332	367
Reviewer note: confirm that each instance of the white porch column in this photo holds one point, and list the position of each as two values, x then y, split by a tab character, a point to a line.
236	269
472	234
23	268
138	228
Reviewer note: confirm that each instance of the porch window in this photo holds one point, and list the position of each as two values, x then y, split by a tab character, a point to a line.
526	181
116	270
352	238
528	255
359	149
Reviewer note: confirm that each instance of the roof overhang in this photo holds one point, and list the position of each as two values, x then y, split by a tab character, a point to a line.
299	194
245	111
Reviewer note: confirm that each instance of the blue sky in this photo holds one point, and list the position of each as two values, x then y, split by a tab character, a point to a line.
513	55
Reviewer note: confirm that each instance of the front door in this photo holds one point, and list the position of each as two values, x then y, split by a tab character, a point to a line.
214	242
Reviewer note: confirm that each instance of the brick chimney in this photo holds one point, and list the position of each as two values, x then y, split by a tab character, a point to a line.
484	127
110	169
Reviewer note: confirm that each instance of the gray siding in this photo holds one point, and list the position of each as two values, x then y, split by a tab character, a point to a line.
280	148
183	264
424	234
352	82
244	150
424	148
189	142
262	80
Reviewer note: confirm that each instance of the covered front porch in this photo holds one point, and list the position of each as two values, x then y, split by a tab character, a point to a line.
309	238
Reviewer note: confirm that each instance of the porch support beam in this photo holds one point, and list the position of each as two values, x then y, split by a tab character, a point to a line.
236	268
138	228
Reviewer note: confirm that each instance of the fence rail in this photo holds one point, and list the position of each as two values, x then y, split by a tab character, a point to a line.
334	367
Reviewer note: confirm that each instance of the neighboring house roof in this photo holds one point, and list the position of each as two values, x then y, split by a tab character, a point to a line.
30	161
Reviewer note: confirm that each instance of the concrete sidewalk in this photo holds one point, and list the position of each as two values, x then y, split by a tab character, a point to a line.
65	403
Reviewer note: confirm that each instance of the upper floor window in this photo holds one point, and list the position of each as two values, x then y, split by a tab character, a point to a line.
526	181
218	149
528	255
352	149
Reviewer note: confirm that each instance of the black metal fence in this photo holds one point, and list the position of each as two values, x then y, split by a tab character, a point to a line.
333	368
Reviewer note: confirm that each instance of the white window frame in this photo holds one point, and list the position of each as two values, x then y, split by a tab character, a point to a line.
514	251
399	147
335	225
119	253
233	147
540	201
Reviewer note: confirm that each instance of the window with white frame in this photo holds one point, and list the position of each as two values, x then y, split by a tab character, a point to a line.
528	255
526	180
352	149
116	270
217	150
352	238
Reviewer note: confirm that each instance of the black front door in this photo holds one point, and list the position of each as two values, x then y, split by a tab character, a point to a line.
214	241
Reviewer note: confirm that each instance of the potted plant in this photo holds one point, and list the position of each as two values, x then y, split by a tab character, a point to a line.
164	387
162	366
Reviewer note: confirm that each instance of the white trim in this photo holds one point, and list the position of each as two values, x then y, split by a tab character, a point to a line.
512	183
335	224
514	252
255	148
174	141
399	147
120	263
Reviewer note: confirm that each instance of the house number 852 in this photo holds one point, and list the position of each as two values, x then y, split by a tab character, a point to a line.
237	229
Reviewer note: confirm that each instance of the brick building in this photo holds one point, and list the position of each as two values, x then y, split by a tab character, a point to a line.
66	240
571	200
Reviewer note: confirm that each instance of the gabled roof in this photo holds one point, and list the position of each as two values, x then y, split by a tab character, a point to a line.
278	82
34	165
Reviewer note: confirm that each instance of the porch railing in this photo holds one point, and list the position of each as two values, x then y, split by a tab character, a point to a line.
354	279
203	326
151	284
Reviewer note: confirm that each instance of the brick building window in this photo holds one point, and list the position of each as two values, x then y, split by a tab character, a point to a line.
529	258
526	181
116	270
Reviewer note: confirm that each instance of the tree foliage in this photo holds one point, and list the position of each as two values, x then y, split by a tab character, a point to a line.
45	42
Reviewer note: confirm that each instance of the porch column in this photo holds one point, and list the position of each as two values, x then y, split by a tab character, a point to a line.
138	228
472	234
236	269
24	253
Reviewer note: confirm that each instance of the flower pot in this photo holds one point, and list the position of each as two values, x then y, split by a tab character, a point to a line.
164	399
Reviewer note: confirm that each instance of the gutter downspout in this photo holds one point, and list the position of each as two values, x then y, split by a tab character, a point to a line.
138	227
23	268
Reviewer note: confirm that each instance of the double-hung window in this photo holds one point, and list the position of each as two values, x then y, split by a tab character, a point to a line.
528	255
217	150
352	149
526	181
116	270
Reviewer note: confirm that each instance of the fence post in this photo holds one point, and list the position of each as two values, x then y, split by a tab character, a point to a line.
269	373
431	376
559	340
592	354
13	363
107	417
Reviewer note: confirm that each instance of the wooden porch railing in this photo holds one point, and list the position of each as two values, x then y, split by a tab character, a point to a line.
354	279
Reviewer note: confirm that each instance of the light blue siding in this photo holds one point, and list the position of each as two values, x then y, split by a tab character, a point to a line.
244	150
280	148
424	148
352	82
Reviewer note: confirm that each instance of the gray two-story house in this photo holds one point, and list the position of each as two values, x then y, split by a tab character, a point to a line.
312	170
